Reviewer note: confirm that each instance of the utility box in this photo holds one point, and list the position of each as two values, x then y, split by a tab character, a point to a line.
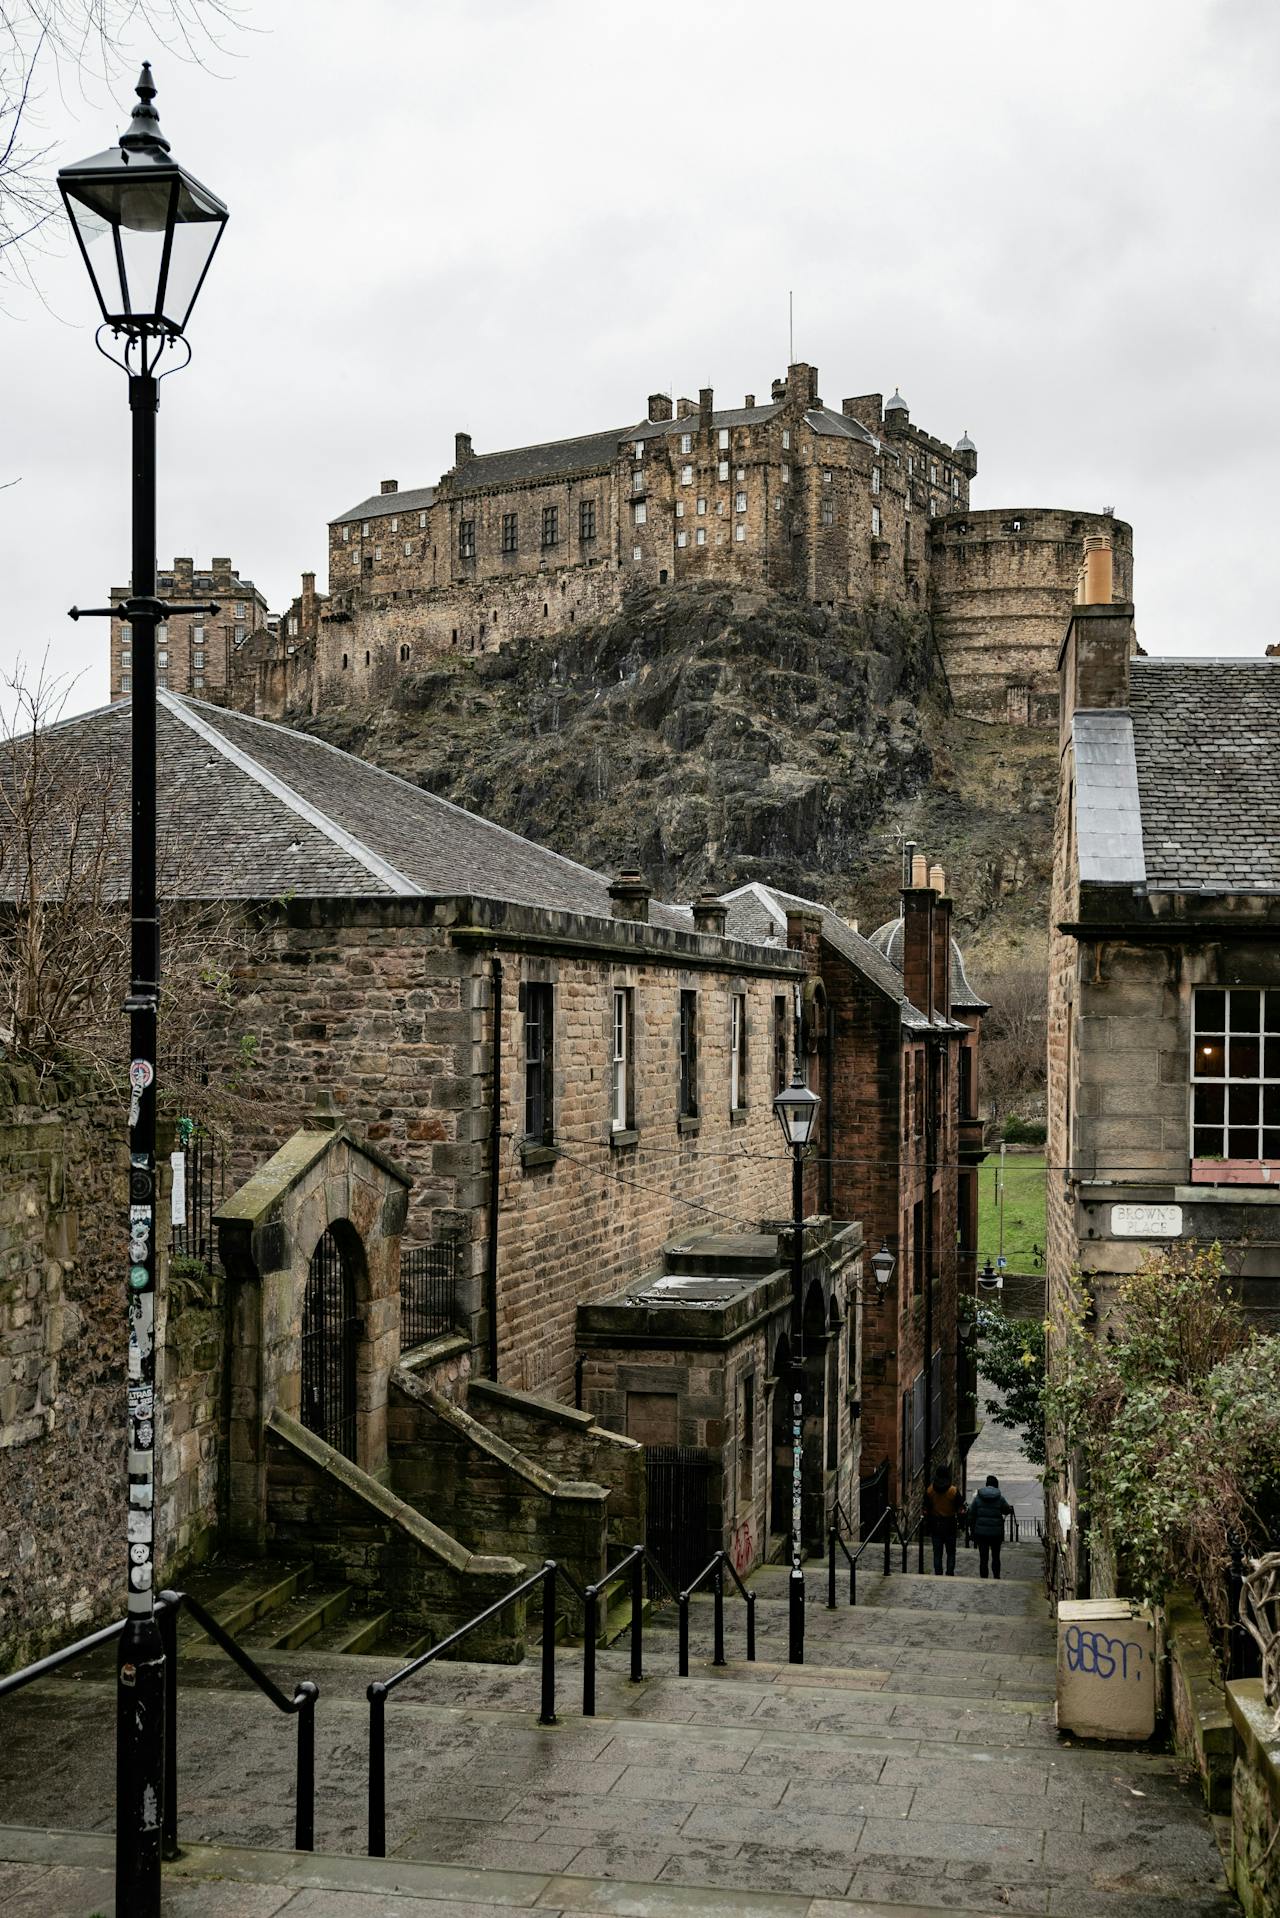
1107	1672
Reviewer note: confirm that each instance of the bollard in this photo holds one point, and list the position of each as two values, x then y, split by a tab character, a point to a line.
547	1715
682	1669
637	1618
751	1627
377	1771
831	1569
795	1617
167	1619
718	1657
590	1632
304	1810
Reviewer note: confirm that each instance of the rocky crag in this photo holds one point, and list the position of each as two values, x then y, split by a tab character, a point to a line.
717	736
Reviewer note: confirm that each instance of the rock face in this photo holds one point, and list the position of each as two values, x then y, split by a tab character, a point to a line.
717	735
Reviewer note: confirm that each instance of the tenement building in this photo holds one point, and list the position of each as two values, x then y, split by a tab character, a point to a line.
1164	1002
195	652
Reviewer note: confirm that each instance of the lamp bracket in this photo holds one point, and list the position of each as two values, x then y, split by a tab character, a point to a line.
141	609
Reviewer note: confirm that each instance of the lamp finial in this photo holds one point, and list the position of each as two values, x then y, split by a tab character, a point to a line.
144	126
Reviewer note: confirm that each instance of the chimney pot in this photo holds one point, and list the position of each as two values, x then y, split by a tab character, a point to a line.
629	894
1094	581
659	406
390	486
710	914
919	869
937	879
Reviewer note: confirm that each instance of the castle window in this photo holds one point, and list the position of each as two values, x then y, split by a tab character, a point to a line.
637	481
622	1104
126	682
586	519
786	476
395	525
346	533
911	465
828	512
197	635
551	526
639	449
722	470
724	436
639	512
635	552
686	476
355	559
365	530
679	509
700	537
404	652
377	554
686	442
163	682
198	681
466	539
955	486
199	662
740	531
162	660
906	501
422	522
345	662
688	1055
366	656
786	439
935	508
826	476
126	633
682	539
777	502
933	472
875	479
408	549
875	522
720	507
740	502
510	533
702	506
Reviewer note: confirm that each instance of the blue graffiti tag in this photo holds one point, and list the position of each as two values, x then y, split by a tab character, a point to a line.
1098	1656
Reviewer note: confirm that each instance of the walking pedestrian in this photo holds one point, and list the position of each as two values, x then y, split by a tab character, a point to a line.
987	1514
943	1504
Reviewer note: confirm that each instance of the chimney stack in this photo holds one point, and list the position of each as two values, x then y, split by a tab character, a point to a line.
710	914
749	401
685	409
778	391
659	406
630	893
918	900
461	448
941	948
705	408
389	486
308	607
1093	663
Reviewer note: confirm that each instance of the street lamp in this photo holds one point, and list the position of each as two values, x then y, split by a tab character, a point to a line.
797	1110
882	1264
147	231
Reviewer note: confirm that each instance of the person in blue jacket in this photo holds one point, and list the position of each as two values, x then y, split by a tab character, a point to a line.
988	1511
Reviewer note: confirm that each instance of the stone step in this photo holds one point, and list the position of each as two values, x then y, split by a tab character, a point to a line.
248	1596
299	1619
357	1632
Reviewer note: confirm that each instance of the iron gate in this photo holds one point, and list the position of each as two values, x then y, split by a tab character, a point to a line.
426	1292
330	1331
678	1525
204	1187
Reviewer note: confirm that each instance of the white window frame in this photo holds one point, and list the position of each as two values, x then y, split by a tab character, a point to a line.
686	476
737	1051
636	553
786	439
639	449
686	442
739	502
700	536
875	522
875	479
740	531
408	549
620	1061
637	482
346	534
722	471
395	522
639	513
702	507
682	539
679	509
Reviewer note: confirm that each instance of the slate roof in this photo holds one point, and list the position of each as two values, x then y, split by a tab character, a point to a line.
1108	817
729	416
548	461
1206	735
888	940
252	810
829	425
415	500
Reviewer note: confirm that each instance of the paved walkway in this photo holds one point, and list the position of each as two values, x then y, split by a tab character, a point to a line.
911	1766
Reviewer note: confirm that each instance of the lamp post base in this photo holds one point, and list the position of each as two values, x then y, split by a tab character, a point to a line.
795	1616
140	1682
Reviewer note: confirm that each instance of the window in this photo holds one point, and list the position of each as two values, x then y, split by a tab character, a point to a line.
826	476
875	522
239	609
740	531
163	682
737	1052
724	436
686	442
965	1095
395	525
702	506
955	488
537	1062
1235	1074
377	552
355	559
746	1454
700	537
635	552
828	512
466	539
639	513
586	519
740	502
742	474
679	509
198	682
686	476
346	533
933	472
906	501
911	465
345	662
639	449
126	682
365	530
875	479
197	635
162	661
422	522
786	439
162	634
622	1104
637	481
126	660
688	1055
510	532
198	662
682	539
722	470
408	549
551	526
786	476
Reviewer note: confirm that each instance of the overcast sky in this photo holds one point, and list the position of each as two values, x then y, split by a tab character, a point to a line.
1050	223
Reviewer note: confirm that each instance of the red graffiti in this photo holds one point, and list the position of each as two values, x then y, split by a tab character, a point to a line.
742	1548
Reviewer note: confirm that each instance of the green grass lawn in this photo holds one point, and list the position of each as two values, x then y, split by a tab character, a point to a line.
1023	1210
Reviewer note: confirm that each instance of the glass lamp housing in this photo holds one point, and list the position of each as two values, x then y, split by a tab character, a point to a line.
797	1110
882	1264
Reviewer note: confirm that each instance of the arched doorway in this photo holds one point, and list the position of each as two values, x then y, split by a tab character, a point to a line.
330	1334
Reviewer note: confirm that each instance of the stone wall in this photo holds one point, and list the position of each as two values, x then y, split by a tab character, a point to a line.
1255	1800
572	1444
1197	1705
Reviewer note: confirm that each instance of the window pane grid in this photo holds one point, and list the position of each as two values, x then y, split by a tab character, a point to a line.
1235	1074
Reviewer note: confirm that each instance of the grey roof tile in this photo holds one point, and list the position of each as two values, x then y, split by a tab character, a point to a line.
589	453
1108	817
415	500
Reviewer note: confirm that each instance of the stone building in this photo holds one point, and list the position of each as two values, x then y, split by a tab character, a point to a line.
891	1033
1164	994
195	652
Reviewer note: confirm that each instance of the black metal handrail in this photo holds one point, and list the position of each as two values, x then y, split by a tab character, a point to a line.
834	1539
715	1569
303	1703
837	1513
632	1565
381	1688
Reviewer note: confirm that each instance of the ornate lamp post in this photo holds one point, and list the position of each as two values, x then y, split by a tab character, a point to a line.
797	1110
147	231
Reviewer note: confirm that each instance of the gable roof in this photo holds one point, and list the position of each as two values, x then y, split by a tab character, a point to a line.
252	810
378	505
1206	738
589	452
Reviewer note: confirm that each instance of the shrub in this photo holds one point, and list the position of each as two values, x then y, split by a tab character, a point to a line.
1013	1360
1024	1131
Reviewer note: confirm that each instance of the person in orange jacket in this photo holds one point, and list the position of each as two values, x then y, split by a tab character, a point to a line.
943	1508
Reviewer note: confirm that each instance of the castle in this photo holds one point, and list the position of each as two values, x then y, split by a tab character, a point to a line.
792	496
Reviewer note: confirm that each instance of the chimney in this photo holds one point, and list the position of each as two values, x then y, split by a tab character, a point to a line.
1093	662
778	391
749	401
182	572
705	408
220	565
941	942
937	879
710	914
659	406
461	448
918	900
389	486
802	383
685	409
308	608
630	894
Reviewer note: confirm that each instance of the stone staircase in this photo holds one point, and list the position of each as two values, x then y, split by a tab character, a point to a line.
911	1767
279	1607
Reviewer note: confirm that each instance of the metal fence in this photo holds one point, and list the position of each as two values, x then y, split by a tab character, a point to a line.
200	1163
427	1274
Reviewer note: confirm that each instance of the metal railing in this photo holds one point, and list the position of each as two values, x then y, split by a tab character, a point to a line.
1239	1652
426	1292
380	1690
631	1567
302	1704
886	1522
715	1569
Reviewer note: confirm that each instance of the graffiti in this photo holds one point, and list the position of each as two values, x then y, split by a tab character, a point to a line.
742	1547
1098	1656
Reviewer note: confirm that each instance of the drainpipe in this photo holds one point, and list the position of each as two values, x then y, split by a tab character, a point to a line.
829	1101
930	1275
495	1160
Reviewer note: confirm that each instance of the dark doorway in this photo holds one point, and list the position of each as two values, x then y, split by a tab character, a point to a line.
330	1332
780	1437
678	1527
